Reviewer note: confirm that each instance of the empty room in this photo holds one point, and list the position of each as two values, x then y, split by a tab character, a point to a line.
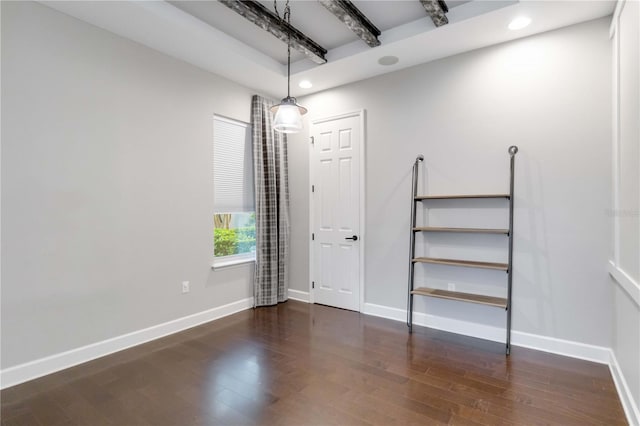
320	212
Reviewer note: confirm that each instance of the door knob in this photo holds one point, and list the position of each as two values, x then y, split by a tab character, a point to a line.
354	238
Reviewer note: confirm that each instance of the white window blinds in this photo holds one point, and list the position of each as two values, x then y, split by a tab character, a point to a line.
232	166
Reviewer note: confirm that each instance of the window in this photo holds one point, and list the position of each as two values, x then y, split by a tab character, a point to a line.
234	229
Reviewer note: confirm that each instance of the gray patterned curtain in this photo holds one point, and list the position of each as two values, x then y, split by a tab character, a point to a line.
272	206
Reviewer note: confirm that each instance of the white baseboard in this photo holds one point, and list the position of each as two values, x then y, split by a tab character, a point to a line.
384	312
439	323
301	296
629	405
568	348
599	354
40	367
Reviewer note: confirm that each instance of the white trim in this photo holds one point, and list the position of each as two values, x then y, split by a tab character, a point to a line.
439	323
300	296
358	113
568	348
626	397
355	113
384	312
234	260
622	279
311	222
363	192
232	120
615	19
599	354
625	281
615	131
40	367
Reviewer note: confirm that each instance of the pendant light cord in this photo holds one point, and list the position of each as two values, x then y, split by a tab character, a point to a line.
288	14
286	17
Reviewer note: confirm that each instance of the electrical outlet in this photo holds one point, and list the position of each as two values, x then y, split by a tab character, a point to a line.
185	287
451	287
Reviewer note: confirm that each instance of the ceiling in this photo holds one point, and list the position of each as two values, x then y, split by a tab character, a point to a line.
211	36
309	16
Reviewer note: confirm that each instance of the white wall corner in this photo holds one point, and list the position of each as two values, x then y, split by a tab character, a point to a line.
300	296
51	364
629	405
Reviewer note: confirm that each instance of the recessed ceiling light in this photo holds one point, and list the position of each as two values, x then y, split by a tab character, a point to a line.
519	23
305	84
388	60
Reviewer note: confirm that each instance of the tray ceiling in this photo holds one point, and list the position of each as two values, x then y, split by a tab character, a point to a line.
211	36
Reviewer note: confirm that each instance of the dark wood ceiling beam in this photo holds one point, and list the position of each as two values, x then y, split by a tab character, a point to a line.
436	10
261	16
354	19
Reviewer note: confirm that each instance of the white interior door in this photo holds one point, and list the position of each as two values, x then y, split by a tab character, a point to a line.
336	198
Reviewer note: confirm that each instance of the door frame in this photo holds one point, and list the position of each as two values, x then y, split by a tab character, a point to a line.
361	114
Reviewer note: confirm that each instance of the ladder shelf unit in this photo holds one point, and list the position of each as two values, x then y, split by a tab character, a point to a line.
499	302
463	230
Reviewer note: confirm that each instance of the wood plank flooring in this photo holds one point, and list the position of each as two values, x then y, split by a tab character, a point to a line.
300	364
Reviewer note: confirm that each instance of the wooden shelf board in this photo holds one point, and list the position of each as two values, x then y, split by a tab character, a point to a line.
467	263
464	297
454	197
466	230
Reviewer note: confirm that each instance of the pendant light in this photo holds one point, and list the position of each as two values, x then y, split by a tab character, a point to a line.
287	114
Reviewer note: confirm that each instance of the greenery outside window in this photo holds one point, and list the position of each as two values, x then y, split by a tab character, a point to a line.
234	235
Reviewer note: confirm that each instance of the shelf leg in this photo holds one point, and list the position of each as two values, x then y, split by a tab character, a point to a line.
508	344
512	153
410	322
412	241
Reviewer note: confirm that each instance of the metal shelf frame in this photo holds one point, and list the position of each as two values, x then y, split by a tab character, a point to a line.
464	297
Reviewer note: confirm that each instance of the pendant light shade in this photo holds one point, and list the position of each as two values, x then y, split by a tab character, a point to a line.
288	116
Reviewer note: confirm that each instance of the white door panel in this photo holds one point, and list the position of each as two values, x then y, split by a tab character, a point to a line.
335	174
344	206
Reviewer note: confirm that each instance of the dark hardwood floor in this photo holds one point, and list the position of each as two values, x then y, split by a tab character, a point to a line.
303	364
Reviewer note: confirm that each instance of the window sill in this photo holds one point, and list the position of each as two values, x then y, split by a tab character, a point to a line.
229	263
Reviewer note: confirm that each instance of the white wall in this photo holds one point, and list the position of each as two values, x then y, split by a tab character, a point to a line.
625	256
106	185
550	94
